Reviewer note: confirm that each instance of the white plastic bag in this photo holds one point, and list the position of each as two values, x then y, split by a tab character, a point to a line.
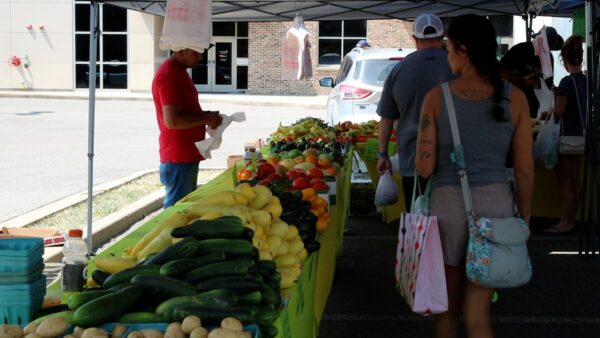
387	190
188	24
216	135
545	99
545	148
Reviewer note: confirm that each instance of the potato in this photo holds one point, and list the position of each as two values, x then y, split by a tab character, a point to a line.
135	334
35	335
199	332
152	333
52	327
118	331
223	333
77	331
11	331
30	328
174	331
66	336
190	323
245	334
232	324
93	332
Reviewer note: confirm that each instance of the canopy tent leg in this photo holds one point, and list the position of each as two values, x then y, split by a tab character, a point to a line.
94	32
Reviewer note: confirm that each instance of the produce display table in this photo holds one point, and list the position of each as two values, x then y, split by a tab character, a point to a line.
305	302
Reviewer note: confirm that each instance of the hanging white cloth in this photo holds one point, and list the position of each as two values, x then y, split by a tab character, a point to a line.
296	59
542	50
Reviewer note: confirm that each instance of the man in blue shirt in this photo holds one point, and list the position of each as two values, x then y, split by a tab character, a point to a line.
403	94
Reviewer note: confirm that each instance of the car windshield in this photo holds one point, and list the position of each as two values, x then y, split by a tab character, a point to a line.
373	72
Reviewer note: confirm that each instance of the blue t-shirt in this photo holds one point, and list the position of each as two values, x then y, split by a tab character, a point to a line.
572	119
403	94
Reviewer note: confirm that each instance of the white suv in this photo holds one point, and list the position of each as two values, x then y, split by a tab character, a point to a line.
358	84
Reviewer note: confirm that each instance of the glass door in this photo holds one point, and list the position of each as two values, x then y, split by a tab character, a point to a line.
216	72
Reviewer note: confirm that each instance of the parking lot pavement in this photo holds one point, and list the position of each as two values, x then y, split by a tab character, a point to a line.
44	143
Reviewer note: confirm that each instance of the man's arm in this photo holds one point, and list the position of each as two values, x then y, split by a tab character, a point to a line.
175	118
385	131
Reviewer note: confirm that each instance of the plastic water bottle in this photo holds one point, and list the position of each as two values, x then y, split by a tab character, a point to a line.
74	262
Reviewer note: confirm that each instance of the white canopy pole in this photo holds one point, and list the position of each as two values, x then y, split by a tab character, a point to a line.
91	114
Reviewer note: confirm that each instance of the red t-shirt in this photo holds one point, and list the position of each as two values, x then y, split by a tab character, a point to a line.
172	85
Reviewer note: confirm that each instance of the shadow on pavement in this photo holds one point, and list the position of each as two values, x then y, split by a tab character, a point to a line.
562	300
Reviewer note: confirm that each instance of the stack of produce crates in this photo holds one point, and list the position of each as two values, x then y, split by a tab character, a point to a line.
22	283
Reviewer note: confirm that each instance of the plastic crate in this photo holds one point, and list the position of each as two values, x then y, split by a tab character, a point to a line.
22	277
20	254
18	302
163	327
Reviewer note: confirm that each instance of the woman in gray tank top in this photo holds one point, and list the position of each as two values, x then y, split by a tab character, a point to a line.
493	119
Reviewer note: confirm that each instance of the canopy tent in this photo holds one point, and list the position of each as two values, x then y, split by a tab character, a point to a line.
286	10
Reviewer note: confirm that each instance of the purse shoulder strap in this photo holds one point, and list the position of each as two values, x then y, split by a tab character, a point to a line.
458	155
583	124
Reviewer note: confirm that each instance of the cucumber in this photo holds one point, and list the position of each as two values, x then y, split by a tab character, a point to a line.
50	310
266	315
78	299
248	234
254	297
212	316
163	285
180	266
275	277
107	308
268	331
212	298
269	296
99	276
218	269
229	246
267	265
222	227
119	287
187	247
237	283
140	317
124	276
68	315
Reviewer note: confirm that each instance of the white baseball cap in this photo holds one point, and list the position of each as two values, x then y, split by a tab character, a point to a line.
425	21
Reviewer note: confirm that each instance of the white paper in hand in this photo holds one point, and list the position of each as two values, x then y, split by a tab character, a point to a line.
216	135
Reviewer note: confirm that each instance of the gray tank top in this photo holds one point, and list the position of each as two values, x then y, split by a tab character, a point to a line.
486	141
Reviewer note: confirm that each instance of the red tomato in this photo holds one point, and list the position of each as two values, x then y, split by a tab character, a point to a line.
300	183
314	173
293	174
266	181
274	176
264	170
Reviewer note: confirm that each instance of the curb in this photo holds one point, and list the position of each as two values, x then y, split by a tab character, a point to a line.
115	223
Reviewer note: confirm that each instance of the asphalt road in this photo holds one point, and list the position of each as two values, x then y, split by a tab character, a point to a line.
44	144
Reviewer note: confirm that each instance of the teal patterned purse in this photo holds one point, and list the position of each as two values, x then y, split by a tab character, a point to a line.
497	254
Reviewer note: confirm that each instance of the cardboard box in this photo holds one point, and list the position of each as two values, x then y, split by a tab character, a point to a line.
231	159
51	237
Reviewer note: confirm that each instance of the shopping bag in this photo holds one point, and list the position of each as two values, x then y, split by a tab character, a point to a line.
545	98
216	135
387	190
545	148
188	24
419	270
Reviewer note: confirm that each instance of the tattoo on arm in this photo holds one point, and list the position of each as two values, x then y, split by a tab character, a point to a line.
425	122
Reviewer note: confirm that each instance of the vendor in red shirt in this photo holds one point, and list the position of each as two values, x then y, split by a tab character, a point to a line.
182	122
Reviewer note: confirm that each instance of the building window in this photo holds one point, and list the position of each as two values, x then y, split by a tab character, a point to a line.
111	69
337	38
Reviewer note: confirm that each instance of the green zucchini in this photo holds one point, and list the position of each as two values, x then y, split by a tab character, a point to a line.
119	287
180	266
267	265
124	276
50	310
212	316
212	298
186	247
140	317
99	276
237	283
68	315
248	234
229	246
269	296
266	315
222	227
254	297
107	308
163	285
218	269
78	299
268	331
